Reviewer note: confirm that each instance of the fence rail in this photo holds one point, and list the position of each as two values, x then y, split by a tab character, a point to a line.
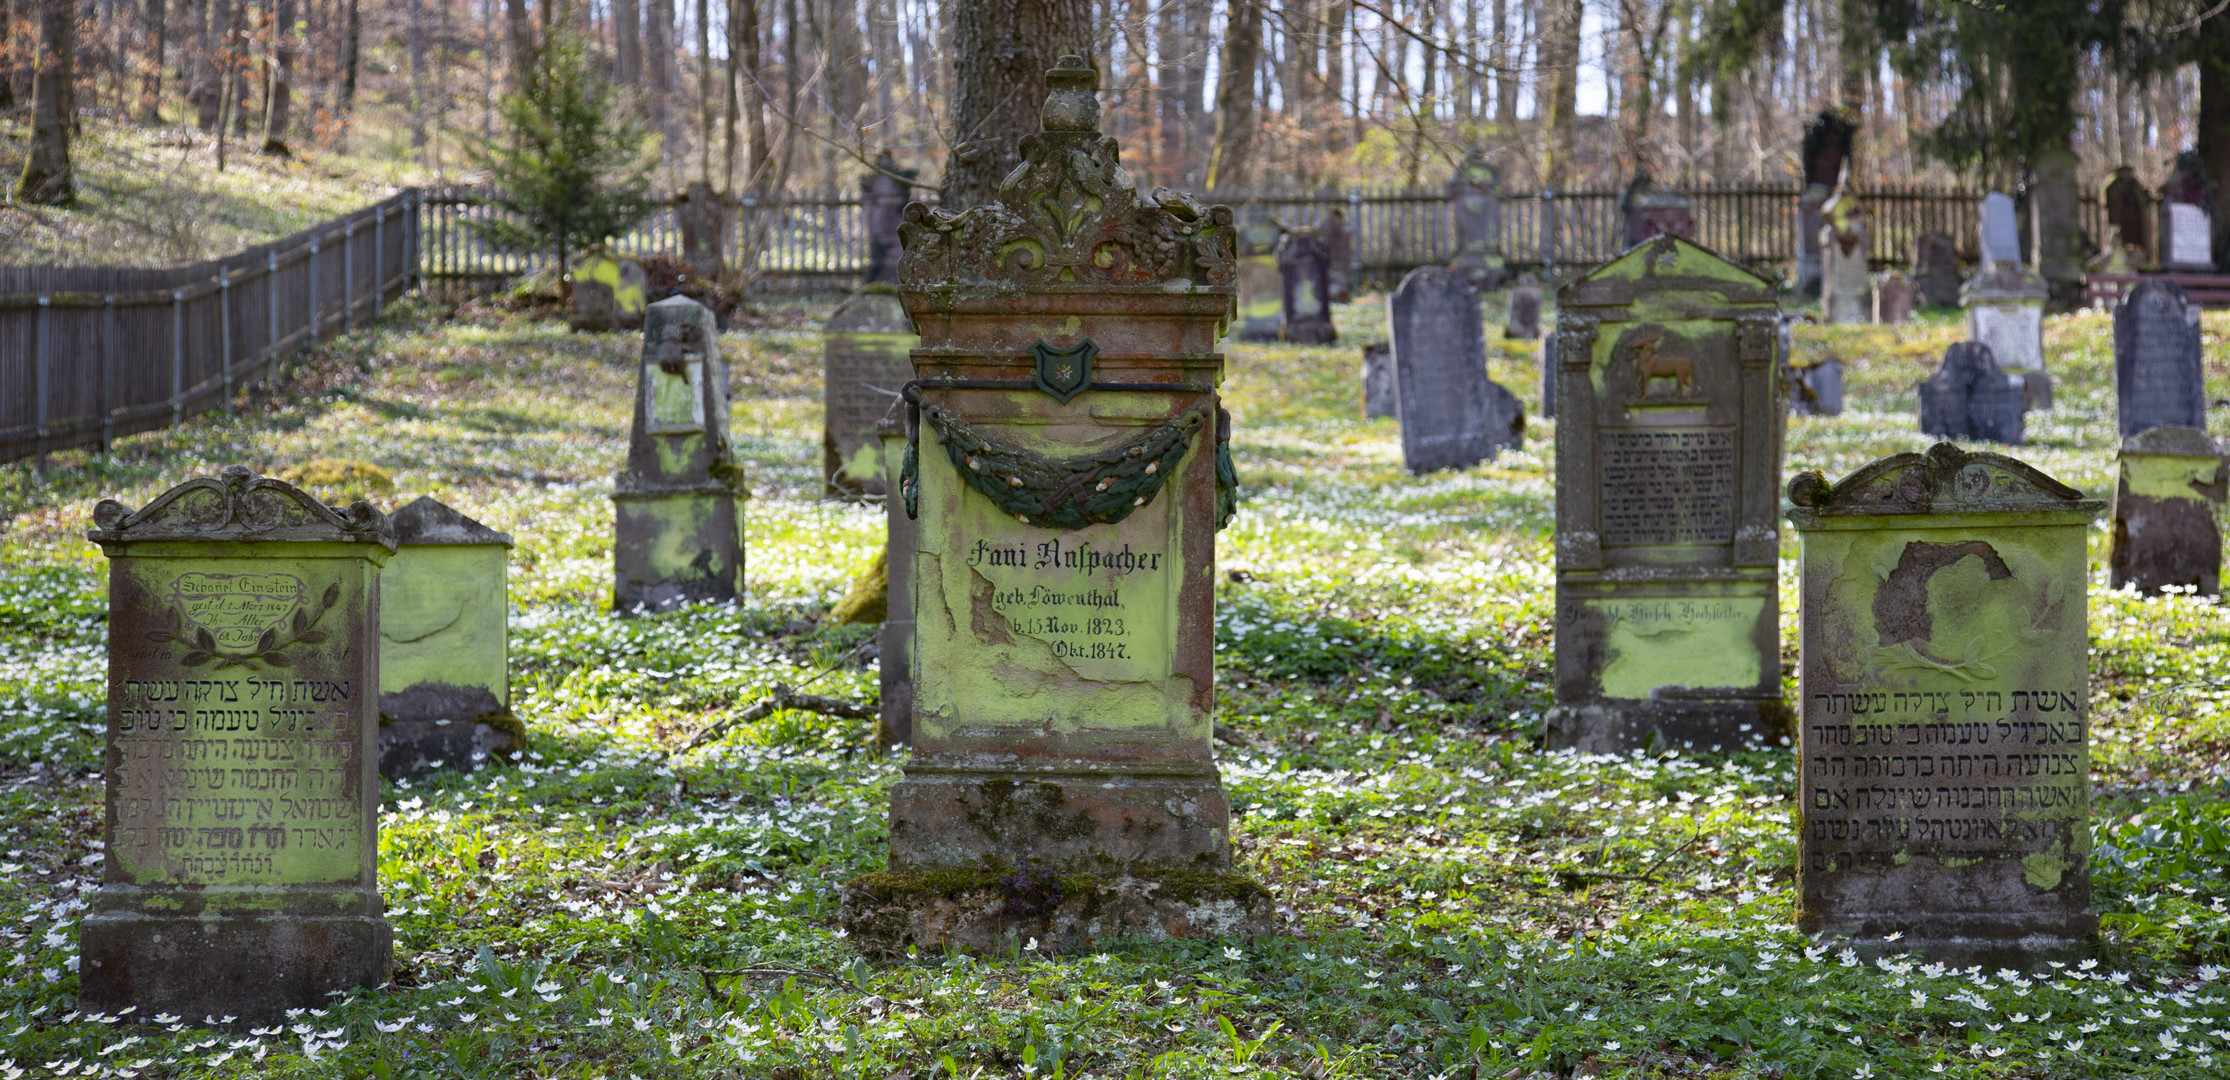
89	354
820	240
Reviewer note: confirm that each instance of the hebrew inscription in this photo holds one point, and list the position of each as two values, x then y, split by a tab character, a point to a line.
1669	486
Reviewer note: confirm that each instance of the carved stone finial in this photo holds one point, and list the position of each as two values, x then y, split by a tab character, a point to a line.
1072	101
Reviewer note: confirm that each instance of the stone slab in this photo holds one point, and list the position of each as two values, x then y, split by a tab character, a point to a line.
1817	390
863	367
444	648
895	642
2159	377
1261	299
1524	321
1893	299
1936	277
1378	382
678	506
1304	281
2168	505
1451	416
1971	397
2000	230
2186	238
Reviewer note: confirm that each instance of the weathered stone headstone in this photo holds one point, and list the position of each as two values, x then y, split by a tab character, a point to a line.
2005	310
1827	145
1304	272
1650	211
241	876
895	712
703	218
1846	285
678	507
607	292
1378	382
1524	321
1261	287
1971	397
2158	375
1817	390
1945	800
1893	299
2127	208
2000	231
882	198
1339	251
1477	209
1069	475
1452	415
864	365
2167	506
444	644
2186	215
1547	377
1936	275
1668	450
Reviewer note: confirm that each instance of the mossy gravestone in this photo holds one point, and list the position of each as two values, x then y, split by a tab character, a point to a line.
1261	287
1303	269
864	364
2005	310
1378	381
1668	464
444	644
1477	211
607	291
1069	476
2167	508
1945	792
678	509
243	811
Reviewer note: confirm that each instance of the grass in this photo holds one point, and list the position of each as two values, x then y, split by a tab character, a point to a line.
1461	903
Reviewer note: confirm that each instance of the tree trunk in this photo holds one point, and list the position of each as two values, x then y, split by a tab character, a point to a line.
151	68
2214	125
209	75
1560	49
47	179
352	39
627	43
1230	160
522	40
1001	52
704	92
283	51
417	46
658	63
754	94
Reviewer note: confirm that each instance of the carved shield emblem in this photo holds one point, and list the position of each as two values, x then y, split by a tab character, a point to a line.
1065	372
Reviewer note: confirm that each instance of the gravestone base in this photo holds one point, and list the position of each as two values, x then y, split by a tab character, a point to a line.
1700	726
676	547
993	910
242	951
1097	819
409	748
1991	940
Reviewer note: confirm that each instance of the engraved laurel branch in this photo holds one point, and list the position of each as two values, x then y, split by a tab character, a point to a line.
268	649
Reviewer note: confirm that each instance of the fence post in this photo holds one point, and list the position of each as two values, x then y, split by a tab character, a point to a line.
379	253
177	356
108	372
410	240
313	285
348	276
44	374
271	306
1548	235
224	324
1354	246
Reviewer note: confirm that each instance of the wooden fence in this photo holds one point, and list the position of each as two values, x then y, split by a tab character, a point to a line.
89	354
820	240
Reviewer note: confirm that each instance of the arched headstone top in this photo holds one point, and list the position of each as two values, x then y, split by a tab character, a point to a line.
236	504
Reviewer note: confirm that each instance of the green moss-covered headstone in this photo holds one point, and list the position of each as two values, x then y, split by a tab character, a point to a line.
2167	530
243	810
1261	288
864	363
444	643
1944	749
678	509
1066	476
1668	465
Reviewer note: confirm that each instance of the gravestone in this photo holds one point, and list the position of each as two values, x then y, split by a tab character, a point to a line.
241	870
2000	231
2127	207
1827	145
1547	377
703	217
1261	287
2005	310
2158	374
1477	210
2167	506
678	506
1452	416
1649	210
1846	286
1304	273
864	365
1378	382
607	292
895	642
1816	390
1893	299
1945	800
2186	216
1069	474
1668	450
882	197
1936	276
1971	397
444	644
1339	251
1524	321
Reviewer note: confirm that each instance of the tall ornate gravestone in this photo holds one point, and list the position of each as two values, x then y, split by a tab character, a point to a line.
864	363
895	714
703	218
1378	382
1477	210
444	644
1936	276
678	507
1668	457
1304	273
2158	377
2186	216
2005	302
607	292
1649	210
882	198
2056	241
1261	287
1452	415
1971	397
2127	208
2166	508
241	876
1893	299
1339	250
1524	321
1069	474
1827	145
1944	750
1846	285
